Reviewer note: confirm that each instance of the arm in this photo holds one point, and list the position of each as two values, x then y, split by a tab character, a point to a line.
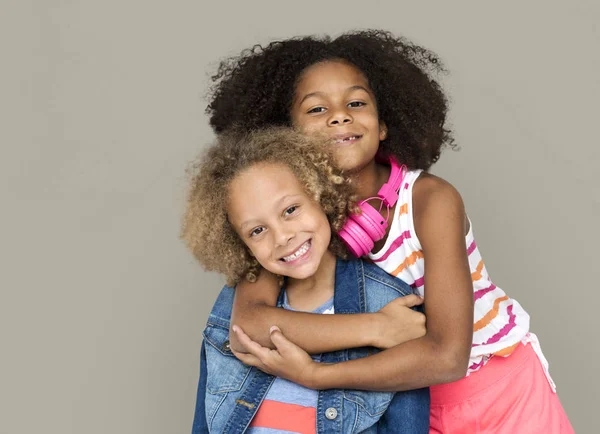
255	312
442	354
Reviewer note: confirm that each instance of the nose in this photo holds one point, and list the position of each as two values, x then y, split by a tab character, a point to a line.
283	235
339	117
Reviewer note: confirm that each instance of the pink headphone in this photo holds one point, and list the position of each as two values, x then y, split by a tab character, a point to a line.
361	231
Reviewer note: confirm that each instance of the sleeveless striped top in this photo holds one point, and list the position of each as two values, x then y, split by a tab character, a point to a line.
500	322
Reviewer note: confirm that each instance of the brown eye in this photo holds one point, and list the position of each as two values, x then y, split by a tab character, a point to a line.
291	210
257	231
355	104
317	110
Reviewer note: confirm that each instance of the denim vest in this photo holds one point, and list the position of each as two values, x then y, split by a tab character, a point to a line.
229	392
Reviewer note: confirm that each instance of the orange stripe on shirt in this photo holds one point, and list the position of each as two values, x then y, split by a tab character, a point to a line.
287	417
476	275
407	262
404	209
506	351
488	317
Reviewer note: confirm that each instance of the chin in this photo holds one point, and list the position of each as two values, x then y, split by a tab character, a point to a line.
305	273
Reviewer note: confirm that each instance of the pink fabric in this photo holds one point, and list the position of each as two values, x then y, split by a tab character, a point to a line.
508	395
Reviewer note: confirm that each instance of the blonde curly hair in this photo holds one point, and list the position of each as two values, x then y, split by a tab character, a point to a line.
206	229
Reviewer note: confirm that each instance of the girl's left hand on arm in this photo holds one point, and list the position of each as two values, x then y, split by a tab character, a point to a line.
287	361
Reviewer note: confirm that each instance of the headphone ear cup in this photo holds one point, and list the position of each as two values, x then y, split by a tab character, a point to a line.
371	222
358	241
361	231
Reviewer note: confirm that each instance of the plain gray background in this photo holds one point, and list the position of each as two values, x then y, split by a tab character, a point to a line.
102	308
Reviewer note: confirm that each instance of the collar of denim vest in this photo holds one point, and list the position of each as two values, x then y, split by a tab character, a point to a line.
349	291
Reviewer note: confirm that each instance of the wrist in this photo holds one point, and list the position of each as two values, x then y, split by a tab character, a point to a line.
365	329
374	329
315	377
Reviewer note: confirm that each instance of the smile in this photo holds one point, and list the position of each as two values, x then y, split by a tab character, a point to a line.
298	253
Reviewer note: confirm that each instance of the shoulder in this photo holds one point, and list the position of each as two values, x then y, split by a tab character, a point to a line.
430	189
220	313
437	204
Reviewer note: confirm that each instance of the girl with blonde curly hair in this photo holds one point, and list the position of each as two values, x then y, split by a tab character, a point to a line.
272	200
207	226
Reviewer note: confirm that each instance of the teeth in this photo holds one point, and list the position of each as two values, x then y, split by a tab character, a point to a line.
301	251
347	139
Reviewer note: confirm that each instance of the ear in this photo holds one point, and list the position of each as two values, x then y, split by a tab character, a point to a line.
382	131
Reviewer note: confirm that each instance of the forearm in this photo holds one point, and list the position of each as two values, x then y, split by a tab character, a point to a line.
315	333
418	363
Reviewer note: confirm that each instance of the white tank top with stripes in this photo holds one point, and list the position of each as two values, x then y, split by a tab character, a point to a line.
500	323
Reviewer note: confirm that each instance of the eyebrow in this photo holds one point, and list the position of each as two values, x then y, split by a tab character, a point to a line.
246	223
279	202
350	89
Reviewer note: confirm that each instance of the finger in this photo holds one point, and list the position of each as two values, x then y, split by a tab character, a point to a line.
248	344
411	300
283	344
247	359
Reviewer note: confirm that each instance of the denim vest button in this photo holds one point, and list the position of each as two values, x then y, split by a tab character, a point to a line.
331	413
226	346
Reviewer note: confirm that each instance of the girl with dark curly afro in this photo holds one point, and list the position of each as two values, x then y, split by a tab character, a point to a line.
272	200
375	94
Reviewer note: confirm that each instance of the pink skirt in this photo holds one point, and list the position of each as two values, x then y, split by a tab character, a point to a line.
509	395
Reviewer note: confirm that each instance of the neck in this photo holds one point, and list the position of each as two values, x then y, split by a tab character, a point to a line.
310	293
369	180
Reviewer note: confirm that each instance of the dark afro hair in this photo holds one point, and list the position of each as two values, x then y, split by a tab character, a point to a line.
255	89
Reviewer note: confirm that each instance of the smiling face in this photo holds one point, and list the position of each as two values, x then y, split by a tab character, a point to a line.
334	98
283	227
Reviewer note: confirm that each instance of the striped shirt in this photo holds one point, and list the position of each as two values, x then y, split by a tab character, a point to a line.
500	322
289	407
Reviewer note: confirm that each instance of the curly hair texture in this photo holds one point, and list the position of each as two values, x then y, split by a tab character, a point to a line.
206	228
256	88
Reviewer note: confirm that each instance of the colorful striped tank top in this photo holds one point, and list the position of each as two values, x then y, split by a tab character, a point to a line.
500	322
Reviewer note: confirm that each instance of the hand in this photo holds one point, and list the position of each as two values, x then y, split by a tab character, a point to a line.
287	361
398	323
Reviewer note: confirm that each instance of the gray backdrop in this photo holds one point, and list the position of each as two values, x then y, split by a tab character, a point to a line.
102	308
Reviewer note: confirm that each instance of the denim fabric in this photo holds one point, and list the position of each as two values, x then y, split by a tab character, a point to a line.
229	392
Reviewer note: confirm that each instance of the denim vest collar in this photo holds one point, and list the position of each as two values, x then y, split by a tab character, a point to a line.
349	289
